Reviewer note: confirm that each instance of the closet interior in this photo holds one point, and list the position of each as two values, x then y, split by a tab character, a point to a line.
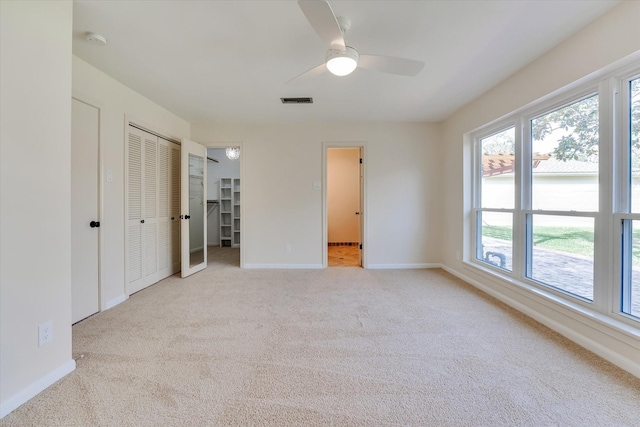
224	213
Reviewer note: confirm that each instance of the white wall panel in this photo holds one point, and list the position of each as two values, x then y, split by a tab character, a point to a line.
35	168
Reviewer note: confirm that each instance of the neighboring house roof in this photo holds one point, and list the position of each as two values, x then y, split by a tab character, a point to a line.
501	163
556	166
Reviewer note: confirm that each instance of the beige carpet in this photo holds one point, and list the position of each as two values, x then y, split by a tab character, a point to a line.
341	346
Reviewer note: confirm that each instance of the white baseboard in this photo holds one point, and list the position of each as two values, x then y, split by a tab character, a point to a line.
49	379
285	266
590	343
402	266
118	300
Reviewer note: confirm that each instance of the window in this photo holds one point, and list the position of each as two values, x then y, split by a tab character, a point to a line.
549	207
564	197
495	218
630	203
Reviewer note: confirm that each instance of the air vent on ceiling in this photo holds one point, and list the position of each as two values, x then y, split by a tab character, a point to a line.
297	100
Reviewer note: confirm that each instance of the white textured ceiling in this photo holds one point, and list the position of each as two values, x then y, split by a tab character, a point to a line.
228	61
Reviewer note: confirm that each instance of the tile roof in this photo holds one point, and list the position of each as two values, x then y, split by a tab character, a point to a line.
500	163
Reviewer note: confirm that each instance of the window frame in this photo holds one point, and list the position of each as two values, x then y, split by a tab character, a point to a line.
614	130
622	213
577	95
477	208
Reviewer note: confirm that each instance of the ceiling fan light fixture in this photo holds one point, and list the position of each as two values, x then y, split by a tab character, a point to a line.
342	63
233	153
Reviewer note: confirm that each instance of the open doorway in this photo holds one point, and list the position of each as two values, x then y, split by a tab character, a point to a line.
344	200
224	209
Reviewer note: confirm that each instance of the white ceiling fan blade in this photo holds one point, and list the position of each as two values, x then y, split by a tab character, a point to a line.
391	64
323	20
314	72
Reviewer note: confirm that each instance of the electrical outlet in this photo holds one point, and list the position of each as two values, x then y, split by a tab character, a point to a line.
287	248
45	333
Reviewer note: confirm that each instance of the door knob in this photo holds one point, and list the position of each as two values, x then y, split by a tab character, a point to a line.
94	224
357	213
142	221
187	217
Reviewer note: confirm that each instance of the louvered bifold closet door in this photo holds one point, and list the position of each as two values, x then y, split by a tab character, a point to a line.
134	247
150	209
164	221
153	164
174	209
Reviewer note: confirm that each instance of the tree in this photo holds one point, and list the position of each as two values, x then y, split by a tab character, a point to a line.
578	127
500	143
635	115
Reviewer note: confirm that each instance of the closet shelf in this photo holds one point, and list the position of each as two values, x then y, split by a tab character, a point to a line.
230	212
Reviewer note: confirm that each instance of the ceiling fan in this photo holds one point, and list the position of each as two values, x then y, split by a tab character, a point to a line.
342	59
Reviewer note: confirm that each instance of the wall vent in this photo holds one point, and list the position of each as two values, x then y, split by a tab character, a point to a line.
297	100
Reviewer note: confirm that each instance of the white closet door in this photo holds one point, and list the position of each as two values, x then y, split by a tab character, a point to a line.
135	219
84	210
164	222
152	214
175	207
150	209
193	204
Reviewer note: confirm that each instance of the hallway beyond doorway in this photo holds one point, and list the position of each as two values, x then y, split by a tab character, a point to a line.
343	201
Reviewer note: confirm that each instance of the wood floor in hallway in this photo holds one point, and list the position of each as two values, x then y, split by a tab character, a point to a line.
343	256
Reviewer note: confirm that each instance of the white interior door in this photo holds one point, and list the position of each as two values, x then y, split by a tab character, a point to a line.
361	209
193	207
84	210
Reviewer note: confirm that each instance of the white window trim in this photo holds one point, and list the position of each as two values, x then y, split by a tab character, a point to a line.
621	131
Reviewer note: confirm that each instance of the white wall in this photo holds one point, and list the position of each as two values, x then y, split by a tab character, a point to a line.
280	206
608	39
35	249
343	194
225	168
116	102
560	192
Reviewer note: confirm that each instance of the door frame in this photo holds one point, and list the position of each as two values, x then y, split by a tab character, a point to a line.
102	302
363	209
225	144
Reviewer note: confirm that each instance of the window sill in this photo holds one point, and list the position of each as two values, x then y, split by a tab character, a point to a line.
581	312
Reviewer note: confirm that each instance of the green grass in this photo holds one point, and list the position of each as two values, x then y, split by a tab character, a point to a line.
573	240
502	233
